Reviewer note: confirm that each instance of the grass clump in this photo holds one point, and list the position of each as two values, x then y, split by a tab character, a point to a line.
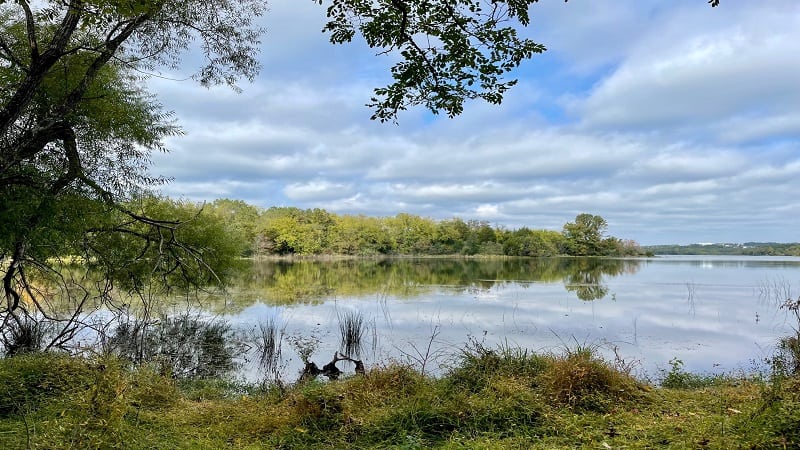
576	378
352	328
477	365
776	422
581	379
86	402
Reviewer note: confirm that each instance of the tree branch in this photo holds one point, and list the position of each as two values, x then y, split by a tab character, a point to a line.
30	28
28	87
9	55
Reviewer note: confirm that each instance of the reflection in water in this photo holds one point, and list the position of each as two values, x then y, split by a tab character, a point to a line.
709	312
585	277
308	281
712	313
185	346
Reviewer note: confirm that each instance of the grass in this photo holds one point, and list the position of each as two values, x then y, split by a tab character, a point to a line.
489	399
351	328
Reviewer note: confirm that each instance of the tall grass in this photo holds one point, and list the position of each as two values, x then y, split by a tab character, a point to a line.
268	339
500	397
352	329
22	335
184	346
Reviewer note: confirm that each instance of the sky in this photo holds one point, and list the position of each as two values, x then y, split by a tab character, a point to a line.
674	121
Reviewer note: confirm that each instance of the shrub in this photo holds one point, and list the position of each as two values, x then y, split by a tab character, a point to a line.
677	378
778	418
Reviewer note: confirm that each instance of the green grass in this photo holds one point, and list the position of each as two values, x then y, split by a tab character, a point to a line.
489	399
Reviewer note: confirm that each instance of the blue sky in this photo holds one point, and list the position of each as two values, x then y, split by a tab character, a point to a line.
676	122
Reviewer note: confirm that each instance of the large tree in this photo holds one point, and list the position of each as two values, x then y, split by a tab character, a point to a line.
77	128
584	236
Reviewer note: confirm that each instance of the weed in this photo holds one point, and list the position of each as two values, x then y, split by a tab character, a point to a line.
184	346
787	358
489	398
678	378
477	365
23	335
422	357
27	380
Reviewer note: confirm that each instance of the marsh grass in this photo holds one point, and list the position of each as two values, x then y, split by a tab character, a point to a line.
268	339
677	378
490	398
23	335
352	329
185	346
581	379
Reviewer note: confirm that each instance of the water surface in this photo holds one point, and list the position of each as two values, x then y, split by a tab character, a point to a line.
716	314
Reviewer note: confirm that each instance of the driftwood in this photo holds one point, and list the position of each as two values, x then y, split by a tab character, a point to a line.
330	370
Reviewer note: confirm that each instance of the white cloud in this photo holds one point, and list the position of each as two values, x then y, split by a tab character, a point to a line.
487	211
692	77
318	190
681	126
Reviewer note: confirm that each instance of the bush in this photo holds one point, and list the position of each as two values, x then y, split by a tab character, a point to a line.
778	418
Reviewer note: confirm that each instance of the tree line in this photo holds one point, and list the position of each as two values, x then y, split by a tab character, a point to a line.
294	231
744	249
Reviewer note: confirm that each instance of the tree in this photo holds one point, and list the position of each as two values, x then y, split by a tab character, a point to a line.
584	237
76	132
450	51
241	217
410	234
450	236
535	243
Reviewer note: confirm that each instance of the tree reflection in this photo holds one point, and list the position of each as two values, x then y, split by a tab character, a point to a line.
287	282
584	276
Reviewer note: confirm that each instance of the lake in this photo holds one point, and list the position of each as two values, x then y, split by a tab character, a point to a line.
716	314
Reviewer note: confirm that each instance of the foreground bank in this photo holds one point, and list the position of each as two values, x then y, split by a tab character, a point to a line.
488	399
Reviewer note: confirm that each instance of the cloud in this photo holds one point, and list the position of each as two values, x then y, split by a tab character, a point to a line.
318	190
675	78
674	121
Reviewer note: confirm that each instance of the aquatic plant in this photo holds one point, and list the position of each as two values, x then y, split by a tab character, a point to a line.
352	329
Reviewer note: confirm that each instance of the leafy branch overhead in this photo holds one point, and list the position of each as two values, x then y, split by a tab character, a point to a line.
449	51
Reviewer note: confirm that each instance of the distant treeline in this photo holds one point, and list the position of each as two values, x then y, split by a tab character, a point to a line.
747	248
294	231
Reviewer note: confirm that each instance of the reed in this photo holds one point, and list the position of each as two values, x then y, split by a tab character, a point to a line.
268	344
352	328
